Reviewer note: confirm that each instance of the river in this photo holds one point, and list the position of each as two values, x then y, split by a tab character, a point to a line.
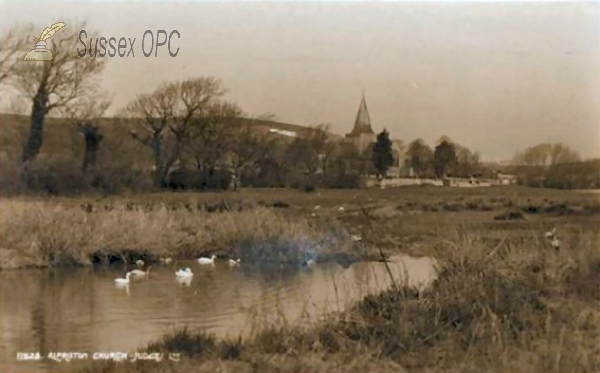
83	310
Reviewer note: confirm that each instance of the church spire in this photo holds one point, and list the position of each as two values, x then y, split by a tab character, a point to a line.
362	124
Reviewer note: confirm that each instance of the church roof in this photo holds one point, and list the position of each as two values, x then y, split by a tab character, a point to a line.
362	124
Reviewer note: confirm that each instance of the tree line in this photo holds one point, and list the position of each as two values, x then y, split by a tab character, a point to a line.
556	166
192	136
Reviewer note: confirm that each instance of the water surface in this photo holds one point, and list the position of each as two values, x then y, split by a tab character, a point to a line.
84	311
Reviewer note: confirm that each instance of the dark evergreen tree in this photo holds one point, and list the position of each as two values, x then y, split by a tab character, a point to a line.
382	154
444	158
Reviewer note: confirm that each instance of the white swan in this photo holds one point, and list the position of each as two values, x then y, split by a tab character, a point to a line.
210	260
139	272
185	281
123	280
550	234
184	273
555	243
140	263
234	262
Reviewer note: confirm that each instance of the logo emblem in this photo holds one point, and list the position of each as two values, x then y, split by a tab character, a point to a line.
41	53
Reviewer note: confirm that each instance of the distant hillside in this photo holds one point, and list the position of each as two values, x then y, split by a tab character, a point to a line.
268	124
62	139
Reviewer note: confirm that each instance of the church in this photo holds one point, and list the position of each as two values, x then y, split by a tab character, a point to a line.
358	143
362	139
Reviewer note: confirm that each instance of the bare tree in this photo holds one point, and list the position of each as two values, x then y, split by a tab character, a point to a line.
534	156
545	155
419	157
84	112
210	133
539	162
561	153
12	45
308	154
467	162
155	111
300	157
172	115
55	84
320	142
246	146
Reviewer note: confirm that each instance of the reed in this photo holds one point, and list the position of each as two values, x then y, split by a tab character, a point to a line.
47	233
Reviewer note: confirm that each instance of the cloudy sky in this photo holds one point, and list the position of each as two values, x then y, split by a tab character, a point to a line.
496	77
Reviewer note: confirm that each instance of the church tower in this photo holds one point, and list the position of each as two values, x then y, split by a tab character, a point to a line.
362	135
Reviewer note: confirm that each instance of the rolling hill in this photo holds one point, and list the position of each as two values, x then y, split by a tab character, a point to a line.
63	141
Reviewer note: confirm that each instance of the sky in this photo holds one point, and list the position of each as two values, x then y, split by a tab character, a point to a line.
493	76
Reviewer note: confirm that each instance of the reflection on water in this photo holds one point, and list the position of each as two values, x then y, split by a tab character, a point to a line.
84	311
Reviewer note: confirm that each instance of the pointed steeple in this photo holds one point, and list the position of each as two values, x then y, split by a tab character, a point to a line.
362	124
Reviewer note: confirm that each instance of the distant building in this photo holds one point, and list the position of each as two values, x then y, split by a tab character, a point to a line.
362	138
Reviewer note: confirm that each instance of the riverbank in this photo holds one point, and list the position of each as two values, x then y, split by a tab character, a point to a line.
515	306
49	234
347	225
504	299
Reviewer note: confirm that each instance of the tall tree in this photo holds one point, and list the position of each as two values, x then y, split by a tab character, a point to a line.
346	167
272	168
84	113
383	157
321	145
308	153
208	139
546	155
538	164
173	114
467	162
561	153
444	158
246	145
56	84
419	157
301	157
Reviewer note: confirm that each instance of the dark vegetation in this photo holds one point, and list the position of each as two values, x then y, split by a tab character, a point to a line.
106	161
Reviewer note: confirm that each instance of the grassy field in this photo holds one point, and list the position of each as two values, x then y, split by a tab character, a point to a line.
42	231
504	300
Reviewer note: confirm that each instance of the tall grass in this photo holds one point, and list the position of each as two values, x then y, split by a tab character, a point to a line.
49	233
513	306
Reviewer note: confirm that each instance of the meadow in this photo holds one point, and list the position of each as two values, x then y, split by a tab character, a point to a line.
40	231
504	299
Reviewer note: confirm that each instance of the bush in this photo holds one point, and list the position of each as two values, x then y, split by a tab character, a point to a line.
210	179
343	181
